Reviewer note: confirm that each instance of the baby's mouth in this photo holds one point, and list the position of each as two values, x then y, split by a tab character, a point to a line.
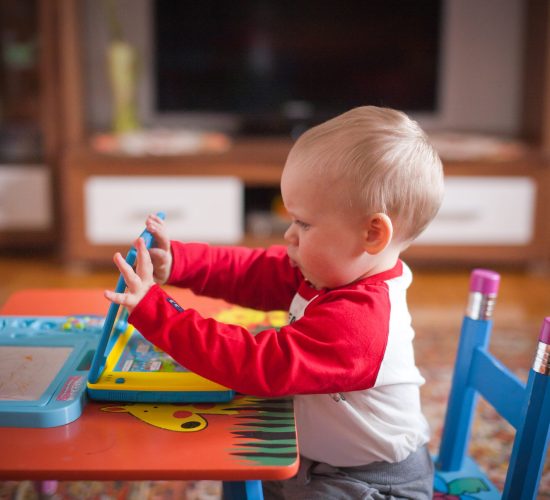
291	261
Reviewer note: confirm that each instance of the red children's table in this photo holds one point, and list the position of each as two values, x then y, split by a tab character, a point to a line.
112	441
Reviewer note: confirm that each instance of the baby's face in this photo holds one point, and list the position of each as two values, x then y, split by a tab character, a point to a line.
325	238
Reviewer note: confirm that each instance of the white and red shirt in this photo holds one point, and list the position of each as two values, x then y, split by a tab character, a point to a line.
346	355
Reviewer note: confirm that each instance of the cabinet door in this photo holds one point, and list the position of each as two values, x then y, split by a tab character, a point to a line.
484	211
25	198
197	208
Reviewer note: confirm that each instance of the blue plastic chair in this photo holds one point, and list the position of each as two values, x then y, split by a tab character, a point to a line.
525	406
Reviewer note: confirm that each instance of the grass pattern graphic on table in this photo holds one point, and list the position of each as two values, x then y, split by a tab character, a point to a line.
266	436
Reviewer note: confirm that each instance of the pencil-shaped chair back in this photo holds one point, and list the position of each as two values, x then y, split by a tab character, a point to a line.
474	336
531	441
525	406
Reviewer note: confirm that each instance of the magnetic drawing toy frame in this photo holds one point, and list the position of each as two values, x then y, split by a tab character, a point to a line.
108	382
60	398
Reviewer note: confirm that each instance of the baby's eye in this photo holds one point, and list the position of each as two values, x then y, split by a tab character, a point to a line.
302	224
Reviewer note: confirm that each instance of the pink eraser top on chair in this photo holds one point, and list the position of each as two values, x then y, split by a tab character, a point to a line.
544	336
484	281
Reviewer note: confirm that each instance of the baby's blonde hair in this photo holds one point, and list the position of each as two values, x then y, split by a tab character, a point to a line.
386	160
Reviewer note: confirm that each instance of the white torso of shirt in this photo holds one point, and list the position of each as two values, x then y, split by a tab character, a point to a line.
383	423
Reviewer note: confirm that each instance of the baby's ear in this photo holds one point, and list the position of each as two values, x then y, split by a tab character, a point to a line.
378	233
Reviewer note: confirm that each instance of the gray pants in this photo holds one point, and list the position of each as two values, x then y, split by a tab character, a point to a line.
410	479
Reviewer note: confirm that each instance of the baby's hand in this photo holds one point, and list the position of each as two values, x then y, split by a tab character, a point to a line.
161	255
138	282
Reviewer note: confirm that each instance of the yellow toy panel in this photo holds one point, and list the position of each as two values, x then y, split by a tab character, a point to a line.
136	370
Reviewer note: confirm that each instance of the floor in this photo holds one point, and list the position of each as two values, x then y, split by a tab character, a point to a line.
437	301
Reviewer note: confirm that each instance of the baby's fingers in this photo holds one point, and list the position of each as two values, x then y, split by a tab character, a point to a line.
129	275
154	218
117	298
144	265
155	225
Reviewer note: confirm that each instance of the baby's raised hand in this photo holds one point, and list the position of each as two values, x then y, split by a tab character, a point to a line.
138	282
161	255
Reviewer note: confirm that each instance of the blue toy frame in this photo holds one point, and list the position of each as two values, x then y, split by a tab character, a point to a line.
109	326
64	397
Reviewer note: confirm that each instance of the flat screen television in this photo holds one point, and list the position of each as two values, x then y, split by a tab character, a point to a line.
220	65
277	66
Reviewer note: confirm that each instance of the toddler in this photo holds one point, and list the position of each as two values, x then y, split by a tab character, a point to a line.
359	189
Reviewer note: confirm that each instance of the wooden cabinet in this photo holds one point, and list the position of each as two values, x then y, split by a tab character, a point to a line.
512	191
494	211
27	126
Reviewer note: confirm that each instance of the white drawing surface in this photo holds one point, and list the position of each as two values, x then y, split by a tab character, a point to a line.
27	371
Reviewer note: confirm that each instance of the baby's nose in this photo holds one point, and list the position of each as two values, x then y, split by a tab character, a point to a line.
290	235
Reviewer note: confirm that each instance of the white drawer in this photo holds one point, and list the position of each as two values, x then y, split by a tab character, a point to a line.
209	209
484	211
25	197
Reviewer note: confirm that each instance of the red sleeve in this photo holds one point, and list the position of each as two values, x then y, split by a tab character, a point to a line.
257	278
337	346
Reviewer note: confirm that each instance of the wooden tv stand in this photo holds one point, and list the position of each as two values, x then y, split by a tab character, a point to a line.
258	163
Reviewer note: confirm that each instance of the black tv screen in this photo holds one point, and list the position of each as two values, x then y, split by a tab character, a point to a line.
272	63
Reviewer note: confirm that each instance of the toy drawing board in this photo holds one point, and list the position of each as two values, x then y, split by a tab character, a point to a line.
44	362
127	367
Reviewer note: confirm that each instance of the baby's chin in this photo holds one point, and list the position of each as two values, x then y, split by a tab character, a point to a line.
293	263
314	283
